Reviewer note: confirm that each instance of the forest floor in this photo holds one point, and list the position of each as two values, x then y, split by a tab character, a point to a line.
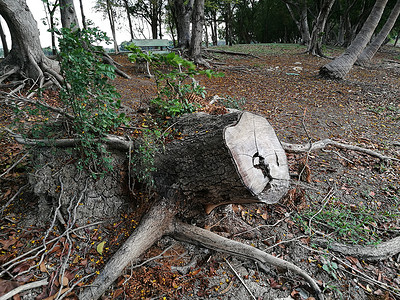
347	196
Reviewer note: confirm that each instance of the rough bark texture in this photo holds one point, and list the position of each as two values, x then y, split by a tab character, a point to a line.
373	47
26	55
314	46
339	67
68	14
182	13
57	181
231	158
197	31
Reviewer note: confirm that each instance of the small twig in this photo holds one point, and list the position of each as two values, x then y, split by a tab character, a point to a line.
240	278
287	241
326	199
24	287
152	258
265	226
12	199
15	164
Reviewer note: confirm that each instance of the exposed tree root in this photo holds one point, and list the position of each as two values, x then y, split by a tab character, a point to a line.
160	221
372	253
24	287
208	239
323	143
156	223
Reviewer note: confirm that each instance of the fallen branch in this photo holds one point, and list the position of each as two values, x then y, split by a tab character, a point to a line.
24	287
111	140
240	278
372	253
230	52
323	143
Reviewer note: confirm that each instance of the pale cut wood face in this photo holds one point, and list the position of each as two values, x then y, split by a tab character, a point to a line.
259	157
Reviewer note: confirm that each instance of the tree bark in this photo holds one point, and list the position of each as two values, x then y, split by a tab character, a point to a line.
68	14
26	55
111	19
197	31
3	41
83	15
373	47
314	47
128	15
182	12
233	158
339	67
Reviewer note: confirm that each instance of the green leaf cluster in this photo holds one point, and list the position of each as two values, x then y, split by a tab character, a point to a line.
88	95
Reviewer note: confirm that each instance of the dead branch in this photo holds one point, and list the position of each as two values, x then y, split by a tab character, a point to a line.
37	103
24	287
372	253
230	52
240	279
324	143
113	141
205	238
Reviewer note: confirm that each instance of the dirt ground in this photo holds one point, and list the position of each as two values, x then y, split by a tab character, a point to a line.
347	196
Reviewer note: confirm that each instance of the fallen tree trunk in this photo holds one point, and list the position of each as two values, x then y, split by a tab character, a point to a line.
231	158
220	159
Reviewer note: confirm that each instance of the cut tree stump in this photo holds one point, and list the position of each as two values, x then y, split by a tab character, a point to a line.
222	159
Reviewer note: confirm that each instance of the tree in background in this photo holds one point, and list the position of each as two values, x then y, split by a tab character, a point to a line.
315	44
82	14
50	9
109	10
197	31
339	67
181	12
373	47
299	12
151	11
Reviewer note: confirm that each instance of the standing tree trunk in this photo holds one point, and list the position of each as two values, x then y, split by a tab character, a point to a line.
3	41
314	47
68	14
83	15
111	18
182	13
51	9
302	21
197	31
339	67
26	55
128	15
373	47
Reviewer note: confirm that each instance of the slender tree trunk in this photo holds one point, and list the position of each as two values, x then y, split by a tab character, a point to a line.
302	22
373	47
314	47
197	31
128	15
3	41
68	14
83	15
339	67
110	13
